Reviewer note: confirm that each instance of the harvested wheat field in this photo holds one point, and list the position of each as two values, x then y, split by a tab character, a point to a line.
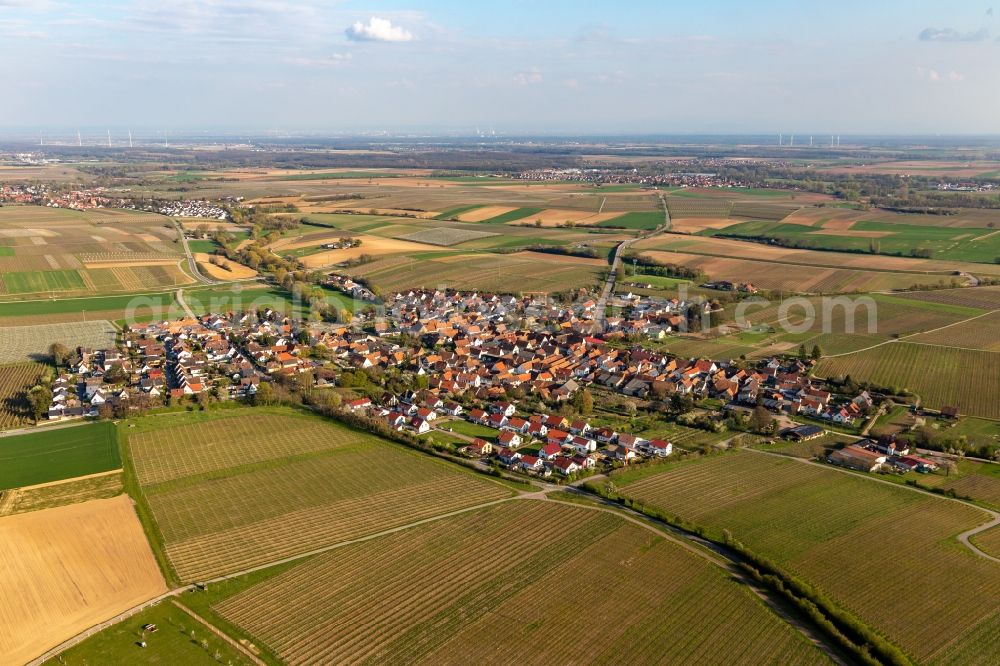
557	217
371	245
66	569
485	213
227	270
692	225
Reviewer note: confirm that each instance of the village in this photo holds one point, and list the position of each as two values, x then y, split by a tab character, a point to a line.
526	370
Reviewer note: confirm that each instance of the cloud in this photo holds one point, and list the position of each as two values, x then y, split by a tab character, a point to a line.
378	30
527	77
333	60
955	76
952	35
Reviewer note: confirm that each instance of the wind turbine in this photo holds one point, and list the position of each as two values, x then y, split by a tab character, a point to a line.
109	138
79	139
781	138
130	138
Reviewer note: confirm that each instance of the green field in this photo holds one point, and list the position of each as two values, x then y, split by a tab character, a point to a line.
635	220
56	454
28	282
240	488
464	427
179	639
841	531
206	246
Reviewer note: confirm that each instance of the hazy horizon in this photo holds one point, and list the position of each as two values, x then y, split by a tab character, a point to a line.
554	68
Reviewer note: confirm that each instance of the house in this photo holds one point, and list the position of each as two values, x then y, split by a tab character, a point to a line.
583	445
452	408
531	463
419	425
508	456
566	466
915	464
478	416
358	404
857	458
550	451
558	437
605	435
509	439
658	448
479	448
620	453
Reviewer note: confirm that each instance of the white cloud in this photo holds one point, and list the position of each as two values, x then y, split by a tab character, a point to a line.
956	76
530	76
378	30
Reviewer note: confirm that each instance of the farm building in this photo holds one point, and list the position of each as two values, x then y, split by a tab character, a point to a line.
857	458
802	433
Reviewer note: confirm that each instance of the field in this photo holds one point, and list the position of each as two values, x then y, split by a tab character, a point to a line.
31	343
982	333
864	543
15	381
891	237
72	567
57	453
939	375
989	541
638	220
517	272
923	271
52	251
987	298
791	277
227	270
60	493
444	236
512	584
238	489
171	644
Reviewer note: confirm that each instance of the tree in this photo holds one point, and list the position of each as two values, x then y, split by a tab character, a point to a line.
59	354
817	353
802	352
265	395
761	420
583	401
39	399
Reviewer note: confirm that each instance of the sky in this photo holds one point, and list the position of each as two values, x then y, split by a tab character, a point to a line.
519	67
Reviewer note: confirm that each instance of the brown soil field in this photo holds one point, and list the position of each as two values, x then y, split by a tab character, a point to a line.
371	245
692	225
232	271
72	567
788	277
556	217
354	208
485	213
132	264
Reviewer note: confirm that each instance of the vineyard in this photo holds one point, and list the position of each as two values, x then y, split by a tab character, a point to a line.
982	333
838	530
987	298
938	374
457	591
445	236
25	343
493	272
15	380
226	498
693	207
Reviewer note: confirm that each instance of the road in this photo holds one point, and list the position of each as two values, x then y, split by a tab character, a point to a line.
609	284
192	264
179	297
